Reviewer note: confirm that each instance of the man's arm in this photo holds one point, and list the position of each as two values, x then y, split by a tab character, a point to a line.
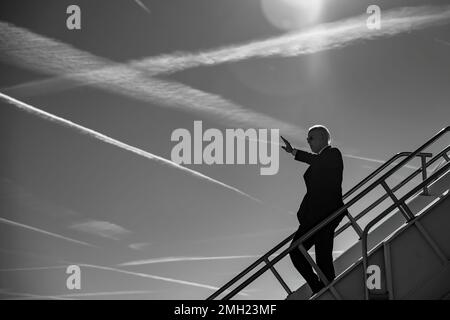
299	155
304	156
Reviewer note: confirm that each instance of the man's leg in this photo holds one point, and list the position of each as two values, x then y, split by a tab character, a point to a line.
301	264
324	252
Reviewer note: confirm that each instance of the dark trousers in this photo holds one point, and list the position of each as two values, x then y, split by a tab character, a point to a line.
323	241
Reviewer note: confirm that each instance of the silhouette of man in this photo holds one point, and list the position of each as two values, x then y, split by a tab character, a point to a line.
323	197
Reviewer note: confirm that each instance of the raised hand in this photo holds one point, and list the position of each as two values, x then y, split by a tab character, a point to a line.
288	148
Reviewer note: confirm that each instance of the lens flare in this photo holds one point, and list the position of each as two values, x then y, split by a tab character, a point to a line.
291	14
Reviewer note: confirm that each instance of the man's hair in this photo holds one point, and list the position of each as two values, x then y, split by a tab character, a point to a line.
323	130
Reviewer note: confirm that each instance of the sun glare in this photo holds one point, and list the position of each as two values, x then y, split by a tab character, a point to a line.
291	14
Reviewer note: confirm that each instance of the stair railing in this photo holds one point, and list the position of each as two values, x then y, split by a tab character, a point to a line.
269	264
401	204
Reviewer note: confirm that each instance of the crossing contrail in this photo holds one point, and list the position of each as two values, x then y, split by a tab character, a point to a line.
320	38
323	37
36	52
101	137
40	53
21	225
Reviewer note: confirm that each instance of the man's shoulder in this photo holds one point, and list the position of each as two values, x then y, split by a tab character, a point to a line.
332	152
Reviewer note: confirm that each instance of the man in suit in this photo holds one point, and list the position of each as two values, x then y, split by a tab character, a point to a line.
323	197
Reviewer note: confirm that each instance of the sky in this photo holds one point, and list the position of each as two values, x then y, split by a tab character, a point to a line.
87	116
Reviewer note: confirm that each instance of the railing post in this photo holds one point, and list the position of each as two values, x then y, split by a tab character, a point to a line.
278	276
446	157
322	276
423	161
314	265
355	225
406	212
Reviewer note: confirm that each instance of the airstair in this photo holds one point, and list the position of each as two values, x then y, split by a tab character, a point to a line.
402	246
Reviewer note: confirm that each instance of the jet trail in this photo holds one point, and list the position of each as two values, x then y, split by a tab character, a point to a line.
17	224
378	161
30	296
106	293
101	137
323	37
42	54
320	38
184	259
143	6
138	274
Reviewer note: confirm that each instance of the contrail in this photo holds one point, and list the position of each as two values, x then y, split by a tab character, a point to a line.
105	293
184	259
323	37
101	137
27	296
46	55
181	259
138	274
33	268
378	161
320	38
42	54
73	295
143	6
70	296
17	224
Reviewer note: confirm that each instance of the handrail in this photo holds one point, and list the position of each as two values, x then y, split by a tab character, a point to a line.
402	183
264	258
286	240
397	204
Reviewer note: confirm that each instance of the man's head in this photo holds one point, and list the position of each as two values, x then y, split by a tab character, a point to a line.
318	138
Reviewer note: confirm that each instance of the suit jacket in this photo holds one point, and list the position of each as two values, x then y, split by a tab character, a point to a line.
323	181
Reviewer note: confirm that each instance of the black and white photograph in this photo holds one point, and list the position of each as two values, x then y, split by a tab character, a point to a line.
255	151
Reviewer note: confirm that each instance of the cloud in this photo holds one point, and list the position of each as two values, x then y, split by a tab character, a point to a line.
101	137
101	228
51	234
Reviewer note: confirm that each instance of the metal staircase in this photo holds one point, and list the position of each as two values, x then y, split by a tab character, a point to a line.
403	246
